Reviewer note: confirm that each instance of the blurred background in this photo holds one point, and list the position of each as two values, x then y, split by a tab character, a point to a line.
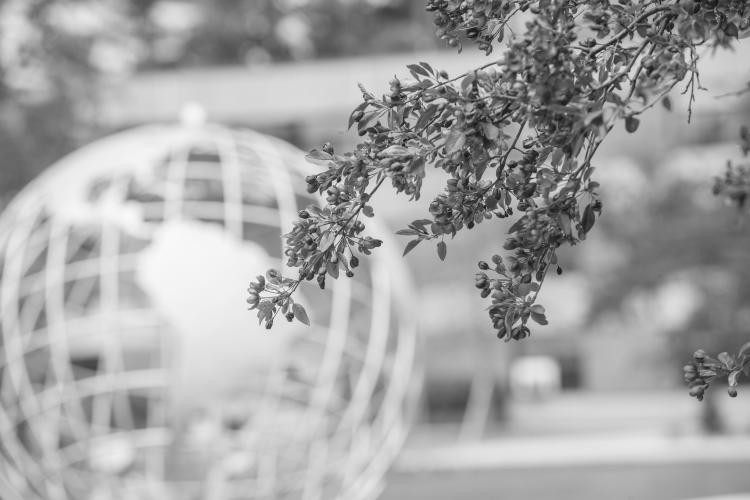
593	405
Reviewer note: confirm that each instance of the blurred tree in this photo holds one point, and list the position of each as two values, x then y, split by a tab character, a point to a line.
516	137
54	56
251	32
57	57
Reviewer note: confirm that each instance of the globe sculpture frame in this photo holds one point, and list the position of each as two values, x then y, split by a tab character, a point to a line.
91	404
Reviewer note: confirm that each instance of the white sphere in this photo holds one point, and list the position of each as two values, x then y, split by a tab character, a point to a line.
130	367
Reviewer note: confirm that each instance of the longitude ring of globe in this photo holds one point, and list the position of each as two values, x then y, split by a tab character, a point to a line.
129	366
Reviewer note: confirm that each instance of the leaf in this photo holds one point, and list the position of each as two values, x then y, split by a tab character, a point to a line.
631	124
455	140
467	81
368	120
326	239
527	288
319	157
427	67
588	219
410	246
510	318
394	150
537	308
726	359
557	157
732	378
333	269
745	349
300	313
427	115
565	224
539	318
442	250
490	131
406	232
731	30
517	225
416	69
361	107
368	211
421	223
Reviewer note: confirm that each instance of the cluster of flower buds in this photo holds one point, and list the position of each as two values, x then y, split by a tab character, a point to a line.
701	372
698	376
512	300
254	291
279	298
471	17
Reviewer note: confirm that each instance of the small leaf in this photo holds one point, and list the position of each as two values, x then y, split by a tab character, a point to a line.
406	232
427	67
745	349
631	124
410	246
517	225
394	150
300	313
537	308
421	223
491	132
368	211
318	157
427	115
539	318
565	223
361	107
557	157
732	378
442	250
455	140
588	219
416	69
726	359
333	269
368	120
731	30
527	288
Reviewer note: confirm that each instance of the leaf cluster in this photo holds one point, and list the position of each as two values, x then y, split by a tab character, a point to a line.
703	370
514	138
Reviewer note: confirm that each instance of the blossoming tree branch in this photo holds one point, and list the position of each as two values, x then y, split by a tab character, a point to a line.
515	138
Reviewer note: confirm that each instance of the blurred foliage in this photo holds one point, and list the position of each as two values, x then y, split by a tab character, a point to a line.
252	32
57	57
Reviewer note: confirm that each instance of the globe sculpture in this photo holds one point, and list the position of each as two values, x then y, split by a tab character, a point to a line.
130	367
